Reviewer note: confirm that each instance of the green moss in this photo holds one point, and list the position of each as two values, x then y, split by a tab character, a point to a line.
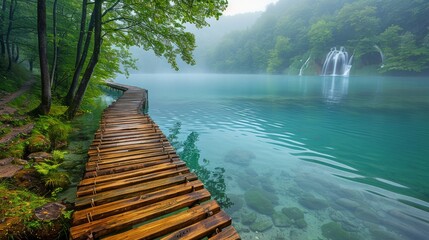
19	203
248	218
14	149
293	213
261	225
38	143
55	129
281	220
334	231
257	201
313	203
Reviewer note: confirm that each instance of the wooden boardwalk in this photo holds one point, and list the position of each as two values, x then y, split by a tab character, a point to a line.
136	187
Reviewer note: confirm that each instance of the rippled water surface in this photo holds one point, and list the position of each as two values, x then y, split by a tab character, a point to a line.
350	154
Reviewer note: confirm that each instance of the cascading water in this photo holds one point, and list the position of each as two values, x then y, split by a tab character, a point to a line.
337	63
304	66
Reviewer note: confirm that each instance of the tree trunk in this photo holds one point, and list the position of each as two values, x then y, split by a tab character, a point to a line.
2	41
45	106
16	54
54	26
82	32
79	67
30	64
9	30
77	100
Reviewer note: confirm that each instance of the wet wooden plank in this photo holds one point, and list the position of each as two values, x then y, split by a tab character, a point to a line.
169	224
113	195
202	229
101	227
133	173
98	188
123	205
125	154
228	233
128	167
114	163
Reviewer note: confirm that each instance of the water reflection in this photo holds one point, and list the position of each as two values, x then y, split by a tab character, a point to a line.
188	151
335	88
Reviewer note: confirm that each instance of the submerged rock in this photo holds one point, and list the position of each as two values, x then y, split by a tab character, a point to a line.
347	203
334	231
313	203
261	225
257	200
248	218
281	220
237	203
293	213
240	157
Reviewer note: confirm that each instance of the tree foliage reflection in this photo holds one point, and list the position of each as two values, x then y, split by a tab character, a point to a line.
214	180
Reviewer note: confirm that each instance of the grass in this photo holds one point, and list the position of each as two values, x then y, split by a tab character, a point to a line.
11	81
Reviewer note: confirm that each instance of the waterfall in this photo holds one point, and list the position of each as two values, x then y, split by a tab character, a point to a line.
304	66
381	55
337	63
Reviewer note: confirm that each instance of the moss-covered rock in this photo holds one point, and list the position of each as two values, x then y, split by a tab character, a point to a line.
313	203
39	156
293	213
301	223
257	200
334	231
248	218
281	220
261	225
237	203
38	143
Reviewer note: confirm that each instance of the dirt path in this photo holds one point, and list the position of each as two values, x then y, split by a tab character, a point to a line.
5	109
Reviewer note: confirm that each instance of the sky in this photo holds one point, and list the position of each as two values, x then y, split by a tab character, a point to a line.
244	6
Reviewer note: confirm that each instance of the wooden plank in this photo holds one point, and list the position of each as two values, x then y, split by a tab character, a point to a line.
88	190
143	153
202	229
128	156
130	191
144	149
169	224
133	173
104	145
101	227
128	139
127	204
144	146
228	233
113	163
125	168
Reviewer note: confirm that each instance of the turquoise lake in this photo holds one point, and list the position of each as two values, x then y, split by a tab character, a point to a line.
351	154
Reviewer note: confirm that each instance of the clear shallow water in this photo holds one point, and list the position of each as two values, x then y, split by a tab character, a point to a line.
350	151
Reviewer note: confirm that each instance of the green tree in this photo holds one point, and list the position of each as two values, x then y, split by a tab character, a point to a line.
402	51
162	29
279	58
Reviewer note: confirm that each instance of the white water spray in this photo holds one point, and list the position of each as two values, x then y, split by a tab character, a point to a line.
337	63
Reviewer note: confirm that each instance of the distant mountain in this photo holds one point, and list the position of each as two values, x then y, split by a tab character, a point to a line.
206	39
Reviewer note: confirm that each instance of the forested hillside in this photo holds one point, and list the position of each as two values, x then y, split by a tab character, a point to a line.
390	36
206	40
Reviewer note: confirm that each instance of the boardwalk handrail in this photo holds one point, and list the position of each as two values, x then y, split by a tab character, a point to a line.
136	187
